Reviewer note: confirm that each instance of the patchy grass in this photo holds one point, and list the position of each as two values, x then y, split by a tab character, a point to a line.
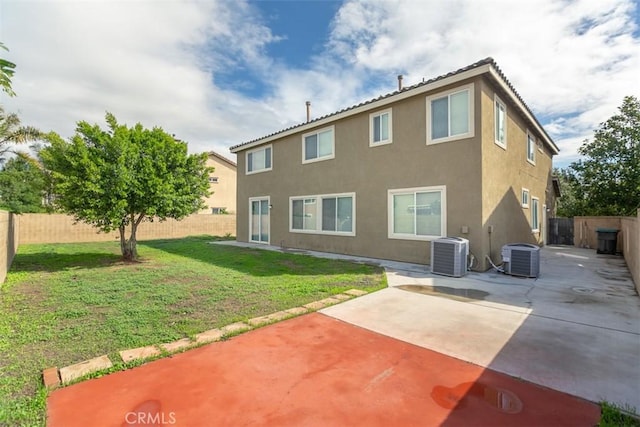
65	303
618	416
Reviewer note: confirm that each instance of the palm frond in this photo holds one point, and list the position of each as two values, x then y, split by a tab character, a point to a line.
25	134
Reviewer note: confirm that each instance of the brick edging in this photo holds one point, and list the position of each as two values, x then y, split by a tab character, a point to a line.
54	377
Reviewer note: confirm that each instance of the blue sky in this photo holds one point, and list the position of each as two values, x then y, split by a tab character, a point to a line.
220	72
301	28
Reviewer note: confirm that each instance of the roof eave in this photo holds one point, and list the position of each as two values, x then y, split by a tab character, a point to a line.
515	98
485	67
367	106
223	158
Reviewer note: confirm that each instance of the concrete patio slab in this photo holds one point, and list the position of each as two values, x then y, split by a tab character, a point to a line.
70	373
314	370
465	333
576	328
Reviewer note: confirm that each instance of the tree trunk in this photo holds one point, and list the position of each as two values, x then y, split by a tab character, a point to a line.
128	246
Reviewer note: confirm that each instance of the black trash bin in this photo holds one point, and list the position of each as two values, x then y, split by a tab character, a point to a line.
607	240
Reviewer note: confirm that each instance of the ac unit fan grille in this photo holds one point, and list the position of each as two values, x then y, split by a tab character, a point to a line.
521	262
443	256
521	259
449	256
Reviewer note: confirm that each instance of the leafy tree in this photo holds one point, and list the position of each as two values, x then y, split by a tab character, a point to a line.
6	73
11	132
117	178
609	175
22	185
571	203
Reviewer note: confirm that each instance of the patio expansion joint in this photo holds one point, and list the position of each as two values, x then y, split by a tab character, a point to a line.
54	377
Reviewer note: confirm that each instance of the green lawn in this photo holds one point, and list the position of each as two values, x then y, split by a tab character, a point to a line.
65	303
618	415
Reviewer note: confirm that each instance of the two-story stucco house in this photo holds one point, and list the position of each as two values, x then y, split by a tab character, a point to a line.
222	185
457	155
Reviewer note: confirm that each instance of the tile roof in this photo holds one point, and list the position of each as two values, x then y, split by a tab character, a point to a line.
221	157
487	61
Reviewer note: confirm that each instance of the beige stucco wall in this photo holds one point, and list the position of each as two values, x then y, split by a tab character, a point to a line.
505	172
630	230
483	181
369	172
57	228
9	242
223	193
584	230
628	239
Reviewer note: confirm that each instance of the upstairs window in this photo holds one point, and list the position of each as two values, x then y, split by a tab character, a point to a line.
450	115
380	128
318	145
501	122
531	149
259	160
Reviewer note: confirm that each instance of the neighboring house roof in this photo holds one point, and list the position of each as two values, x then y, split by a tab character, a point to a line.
221	157
486	66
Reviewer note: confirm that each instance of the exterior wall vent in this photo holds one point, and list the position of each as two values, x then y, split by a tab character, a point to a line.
449	256
521	259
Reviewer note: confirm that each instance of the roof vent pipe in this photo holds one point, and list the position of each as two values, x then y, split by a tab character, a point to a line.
308	111
399	82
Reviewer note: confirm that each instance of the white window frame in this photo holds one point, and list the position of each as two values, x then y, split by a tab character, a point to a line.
318	211
525	203
531	148
372	116
471	119
259	199
443	208
497	102
535	207
317	132
255	150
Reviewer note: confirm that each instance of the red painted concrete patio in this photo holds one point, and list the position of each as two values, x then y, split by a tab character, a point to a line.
313	371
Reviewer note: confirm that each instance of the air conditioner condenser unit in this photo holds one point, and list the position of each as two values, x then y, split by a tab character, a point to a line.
449	256
521	259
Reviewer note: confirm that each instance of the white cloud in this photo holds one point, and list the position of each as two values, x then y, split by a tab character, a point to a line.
144	61
576	58
166	62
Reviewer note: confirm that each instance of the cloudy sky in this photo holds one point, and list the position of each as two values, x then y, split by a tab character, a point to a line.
217	73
